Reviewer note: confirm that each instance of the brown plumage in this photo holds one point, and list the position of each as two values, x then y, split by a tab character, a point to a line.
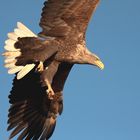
42	64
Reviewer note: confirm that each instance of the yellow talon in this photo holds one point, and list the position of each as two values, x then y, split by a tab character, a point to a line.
40	67
50	90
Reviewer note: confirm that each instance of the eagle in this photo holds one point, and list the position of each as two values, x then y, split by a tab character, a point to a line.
41	64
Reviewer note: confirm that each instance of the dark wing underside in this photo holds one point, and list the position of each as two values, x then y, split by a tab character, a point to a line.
60	17
28	113
32	112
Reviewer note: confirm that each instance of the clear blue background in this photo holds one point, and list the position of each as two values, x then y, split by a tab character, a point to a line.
99	105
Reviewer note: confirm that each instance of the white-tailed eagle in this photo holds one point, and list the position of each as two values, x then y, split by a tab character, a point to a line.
42	63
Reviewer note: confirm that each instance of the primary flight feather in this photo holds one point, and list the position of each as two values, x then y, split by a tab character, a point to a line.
42	63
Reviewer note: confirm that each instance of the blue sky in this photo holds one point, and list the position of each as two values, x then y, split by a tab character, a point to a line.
98	105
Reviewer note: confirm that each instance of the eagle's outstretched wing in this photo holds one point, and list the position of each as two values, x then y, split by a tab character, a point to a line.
61	17
32	113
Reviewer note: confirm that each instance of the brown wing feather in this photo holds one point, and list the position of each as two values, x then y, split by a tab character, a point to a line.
34	50
32	113
30	106
60	17
30	110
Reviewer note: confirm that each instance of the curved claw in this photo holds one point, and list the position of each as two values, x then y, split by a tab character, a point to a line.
50	91
40	67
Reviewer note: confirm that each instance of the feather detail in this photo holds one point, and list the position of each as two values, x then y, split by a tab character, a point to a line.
49	127
12	53
19	128
10	48
10	42
10	65
25	29
25	70
15	69
9	60
19	32
12	36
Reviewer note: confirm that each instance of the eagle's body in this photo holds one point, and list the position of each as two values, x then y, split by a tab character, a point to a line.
42	63
66	49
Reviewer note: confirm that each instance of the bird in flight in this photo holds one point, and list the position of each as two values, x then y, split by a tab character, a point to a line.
41	64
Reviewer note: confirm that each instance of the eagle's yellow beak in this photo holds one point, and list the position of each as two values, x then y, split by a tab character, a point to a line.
97	61
99	64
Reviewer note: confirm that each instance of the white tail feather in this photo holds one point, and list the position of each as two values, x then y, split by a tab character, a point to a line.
25	70
12	36
10	48
11	52
20	33
9	65
10	42
15	69
9	60
25	29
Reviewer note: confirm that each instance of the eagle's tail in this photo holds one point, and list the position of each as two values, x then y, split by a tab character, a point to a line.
32	113
11	52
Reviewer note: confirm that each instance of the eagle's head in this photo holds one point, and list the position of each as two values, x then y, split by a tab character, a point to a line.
84	56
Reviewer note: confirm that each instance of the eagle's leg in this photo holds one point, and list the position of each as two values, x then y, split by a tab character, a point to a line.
40	67
50	90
